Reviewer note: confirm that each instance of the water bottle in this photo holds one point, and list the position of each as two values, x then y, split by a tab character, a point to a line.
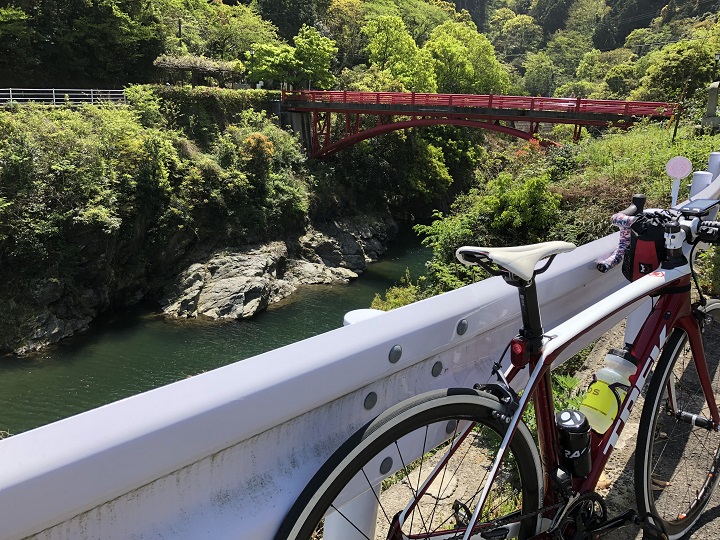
574	435
607	392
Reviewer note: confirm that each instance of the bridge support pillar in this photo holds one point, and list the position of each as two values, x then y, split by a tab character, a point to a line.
300	122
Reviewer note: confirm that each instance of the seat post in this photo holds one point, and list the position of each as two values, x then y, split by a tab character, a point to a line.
532	329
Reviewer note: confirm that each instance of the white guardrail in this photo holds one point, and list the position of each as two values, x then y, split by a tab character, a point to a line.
60	96
223	455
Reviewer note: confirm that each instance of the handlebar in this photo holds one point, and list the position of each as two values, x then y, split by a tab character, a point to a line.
624	221
709	231
694	228
637	205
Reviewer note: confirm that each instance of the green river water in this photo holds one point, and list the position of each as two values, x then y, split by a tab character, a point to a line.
130	353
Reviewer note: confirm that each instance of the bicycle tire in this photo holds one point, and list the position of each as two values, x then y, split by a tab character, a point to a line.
676	466
388	435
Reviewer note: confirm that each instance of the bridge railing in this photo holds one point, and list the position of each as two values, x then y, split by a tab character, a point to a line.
60	96
490	101
223	455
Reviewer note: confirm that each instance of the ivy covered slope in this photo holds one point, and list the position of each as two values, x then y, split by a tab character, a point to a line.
525	193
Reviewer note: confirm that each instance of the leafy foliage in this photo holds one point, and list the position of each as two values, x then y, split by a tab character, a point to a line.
77	41
306	63
107	198
391	48
508	210
464	60
551	14
406	292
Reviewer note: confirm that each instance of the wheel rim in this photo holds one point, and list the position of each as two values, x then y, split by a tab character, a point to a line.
423	492
682	469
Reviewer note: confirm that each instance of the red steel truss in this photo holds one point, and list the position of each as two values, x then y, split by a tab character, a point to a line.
399	110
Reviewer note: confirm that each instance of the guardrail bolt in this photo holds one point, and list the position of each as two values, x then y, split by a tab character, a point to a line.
395	354
370	400
462	327
386	465
437	369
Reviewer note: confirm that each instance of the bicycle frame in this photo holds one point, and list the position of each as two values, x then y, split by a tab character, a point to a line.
672	309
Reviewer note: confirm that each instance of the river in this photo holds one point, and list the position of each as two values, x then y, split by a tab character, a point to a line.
129	353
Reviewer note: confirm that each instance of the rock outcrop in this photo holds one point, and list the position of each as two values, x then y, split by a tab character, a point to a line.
236	284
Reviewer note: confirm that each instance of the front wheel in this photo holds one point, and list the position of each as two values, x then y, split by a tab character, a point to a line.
417	472
676	464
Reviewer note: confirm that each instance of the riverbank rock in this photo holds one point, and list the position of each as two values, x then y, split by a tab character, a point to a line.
236	284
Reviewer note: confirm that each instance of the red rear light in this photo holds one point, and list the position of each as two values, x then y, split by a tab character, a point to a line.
518	352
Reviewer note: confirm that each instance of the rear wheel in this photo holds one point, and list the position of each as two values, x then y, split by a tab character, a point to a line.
676	466
417	471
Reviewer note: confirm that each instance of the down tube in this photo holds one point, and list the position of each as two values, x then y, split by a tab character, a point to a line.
669	311
574	328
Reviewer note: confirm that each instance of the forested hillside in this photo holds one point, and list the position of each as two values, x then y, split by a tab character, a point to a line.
642	49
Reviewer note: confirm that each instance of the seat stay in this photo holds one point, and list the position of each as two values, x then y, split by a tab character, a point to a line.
518	260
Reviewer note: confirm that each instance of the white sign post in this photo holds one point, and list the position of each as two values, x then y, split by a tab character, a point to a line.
677	168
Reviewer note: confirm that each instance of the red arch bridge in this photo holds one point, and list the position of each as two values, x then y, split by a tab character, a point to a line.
329	121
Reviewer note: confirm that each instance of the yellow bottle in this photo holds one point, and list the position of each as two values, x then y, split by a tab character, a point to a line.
602	402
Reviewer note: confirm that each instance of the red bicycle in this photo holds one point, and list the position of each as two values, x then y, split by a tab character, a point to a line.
462	463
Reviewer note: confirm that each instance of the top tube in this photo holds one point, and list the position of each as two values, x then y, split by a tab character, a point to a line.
634	292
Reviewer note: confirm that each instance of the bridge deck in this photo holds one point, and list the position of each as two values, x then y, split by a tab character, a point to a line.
408	102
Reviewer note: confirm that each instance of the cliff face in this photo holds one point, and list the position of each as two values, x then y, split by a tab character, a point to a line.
228	283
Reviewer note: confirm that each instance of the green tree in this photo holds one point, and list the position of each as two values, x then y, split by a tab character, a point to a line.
595	64
213	29
677	69
622	79
231	30
497	22
369	79
314	55
622	19
15	42
540	74
566	48
290	15
344	20
421	16
583	16
273	63
521	35
465	61
76	43
391	47
511	209
389	42
551	14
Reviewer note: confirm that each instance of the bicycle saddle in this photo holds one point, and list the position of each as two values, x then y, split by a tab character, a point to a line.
519	260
